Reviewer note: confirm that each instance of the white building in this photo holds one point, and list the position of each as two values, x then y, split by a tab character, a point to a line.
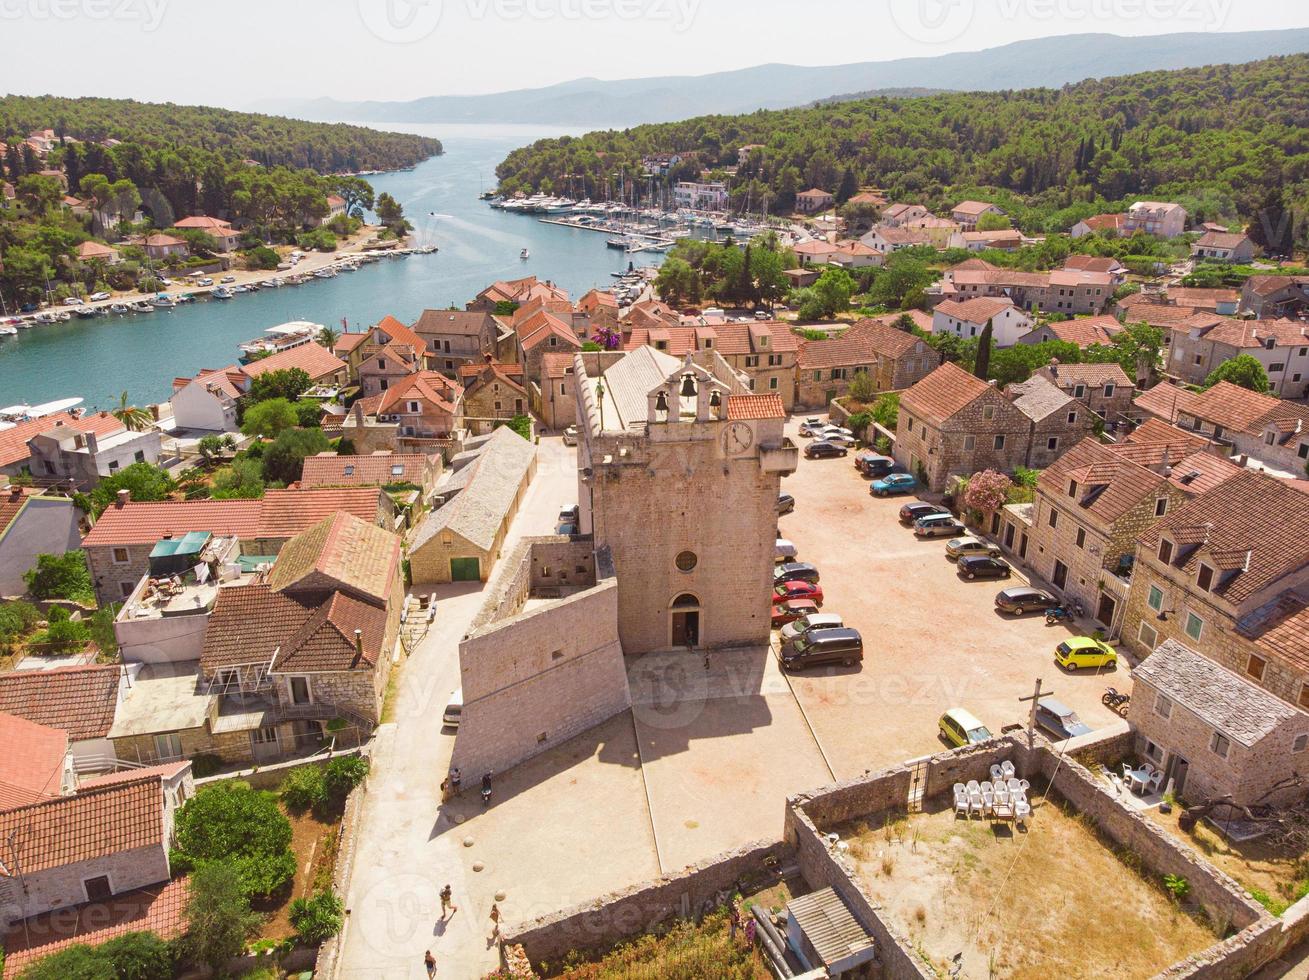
206	403
967	319
711	196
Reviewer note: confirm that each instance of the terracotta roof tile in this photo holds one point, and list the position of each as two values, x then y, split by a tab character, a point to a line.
1200	472
141	522
977	310
316	360
288	512
1231	406
79	700
1201	299
332	470
1108	485
1092	375
400	333
32	764
1281	627
167	770
862	343
339	552
1165	401
1262	520
944	393
1085	331
431	387
160	909
556	365
13	442
745	407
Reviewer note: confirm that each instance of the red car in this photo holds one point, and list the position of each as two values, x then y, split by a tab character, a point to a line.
797	590
791	610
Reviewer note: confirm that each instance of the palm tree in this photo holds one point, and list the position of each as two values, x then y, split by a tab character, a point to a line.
133	418
328	337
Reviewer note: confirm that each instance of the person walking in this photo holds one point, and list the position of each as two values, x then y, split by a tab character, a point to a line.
447	901
495	921
429	962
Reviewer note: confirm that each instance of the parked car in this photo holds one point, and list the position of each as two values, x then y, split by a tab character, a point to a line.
893	484
824	450
796	571
838	438
966	546
822	648
566	527
797	590
570	436
875	466
454	711
912	511
785	504
811	426
97	297
813	621
568	514
1085	651
960	727
72	301
784	550
832	429
984	566
937	526
1059	720
204	281
792	610
1024	599
227	279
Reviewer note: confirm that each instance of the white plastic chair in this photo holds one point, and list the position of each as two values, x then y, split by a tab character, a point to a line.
1155	781
1022	810
974	786
988	801
996	773
987	786
1001	795
1007	768
976	802
1015	787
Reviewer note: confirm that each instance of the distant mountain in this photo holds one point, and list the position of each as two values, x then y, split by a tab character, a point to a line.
1052	61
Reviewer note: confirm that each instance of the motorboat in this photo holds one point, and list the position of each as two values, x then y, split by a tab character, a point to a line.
8	331
162	302
45	318
119	308
240	289
524	254
328	273
282	337
222	292
141	306
87	312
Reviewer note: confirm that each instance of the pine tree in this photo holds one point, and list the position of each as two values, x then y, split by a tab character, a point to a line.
983	363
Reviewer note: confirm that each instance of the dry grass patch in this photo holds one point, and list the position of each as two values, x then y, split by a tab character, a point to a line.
1052	901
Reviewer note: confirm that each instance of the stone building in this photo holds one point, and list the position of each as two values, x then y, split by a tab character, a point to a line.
1103	388
953	424
118	547
535	675
1201	343
461	540
1058	420
391	353
492	395
1214	732
558	394
763	352
516	292
1082	331
1226	574
455	337
536	329
968	319
1279	440
893	359
679	470
81	457
1266	297
422	412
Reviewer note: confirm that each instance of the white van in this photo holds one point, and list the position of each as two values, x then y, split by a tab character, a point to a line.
784	550
454	710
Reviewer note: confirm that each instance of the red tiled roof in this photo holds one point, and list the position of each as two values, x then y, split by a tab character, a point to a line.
1231	406
1086	331
1093	375
314	359
348	342
167	770
728	338
1165	401
95	250
977	310
1200	472
862	343
288	512
91	824
944	393
160	240
1251	527
401	334
11	503
331	470
160	909
747	407
972	207
32	764
1201	299
1220	239
556	365
349	553
1246	333
1281	627
79	700
429	386
203	221
1091	263
1108	485
1105	222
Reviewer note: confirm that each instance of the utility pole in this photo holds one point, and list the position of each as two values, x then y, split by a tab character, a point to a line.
1035	697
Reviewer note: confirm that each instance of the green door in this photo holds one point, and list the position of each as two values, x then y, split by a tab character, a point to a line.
465	570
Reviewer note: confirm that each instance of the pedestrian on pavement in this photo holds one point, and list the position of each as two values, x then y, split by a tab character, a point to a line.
495	921
447	902
429	961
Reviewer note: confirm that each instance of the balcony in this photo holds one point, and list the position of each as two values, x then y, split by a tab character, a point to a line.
781	458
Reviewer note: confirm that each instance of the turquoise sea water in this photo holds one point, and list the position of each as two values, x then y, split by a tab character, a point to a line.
97	359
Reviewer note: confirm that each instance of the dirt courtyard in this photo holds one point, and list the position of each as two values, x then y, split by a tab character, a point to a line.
1053	900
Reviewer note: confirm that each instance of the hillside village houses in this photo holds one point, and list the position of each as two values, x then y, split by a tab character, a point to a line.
813	200
1202	342
1217	246
893	359
1109	225
968	213
968	318
1103	388
1082	331
1162	219
1268	297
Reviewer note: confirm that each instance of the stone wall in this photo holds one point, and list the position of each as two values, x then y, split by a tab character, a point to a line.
60	887
599	925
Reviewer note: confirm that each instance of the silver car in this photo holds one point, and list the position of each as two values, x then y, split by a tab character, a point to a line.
814	621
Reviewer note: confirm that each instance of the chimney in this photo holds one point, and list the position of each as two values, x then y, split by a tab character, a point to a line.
359	414
92	443
122	497
359	643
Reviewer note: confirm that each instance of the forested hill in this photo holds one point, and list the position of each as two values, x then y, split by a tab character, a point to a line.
271	140
1225	140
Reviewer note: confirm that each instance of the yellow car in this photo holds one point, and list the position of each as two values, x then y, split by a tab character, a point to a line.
959	727
1085	651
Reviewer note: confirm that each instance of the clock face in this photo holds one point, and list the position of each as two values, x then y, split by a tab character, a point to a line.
737	438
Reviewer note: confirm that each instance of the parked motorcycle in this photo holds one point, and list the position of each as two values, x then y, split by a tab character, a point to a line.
1116	701
486	789
1062	612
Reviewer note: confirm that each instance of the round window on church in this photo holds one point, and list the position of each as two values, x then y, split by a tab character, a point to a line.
687	561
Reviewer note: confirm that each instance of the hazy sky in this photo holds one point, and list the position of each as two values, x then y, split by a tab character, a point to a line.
233	52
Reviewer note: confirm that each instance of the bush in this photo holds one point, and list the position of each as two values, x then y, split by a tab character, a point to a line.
63	634
218	916
139	956
284	459
262	257
241	828
309	413
304	788
858	423
320	239
61	577
317	919
343	774
210	447
17	619
77	962
269	419
146	482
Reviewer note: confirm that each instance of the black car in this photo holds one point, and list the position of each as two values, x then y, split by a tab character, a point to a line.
875	467
795	571
823	647
824	450
983	566
910	512
785	503
1024	599
566	527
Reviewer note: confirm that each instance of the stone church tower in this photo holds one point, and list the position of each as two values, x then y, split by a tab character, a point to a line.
679	467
